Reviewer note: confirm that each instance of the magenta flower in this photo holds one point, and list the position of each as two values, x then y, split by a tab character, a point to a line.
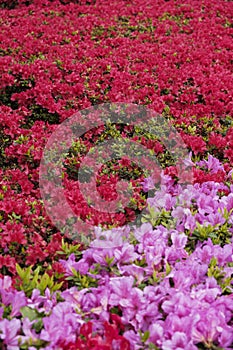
110	238
69	264
148	184
188	160
139	232
210	327
62	324
71	295
206	205
176	251
9	331
121	290
178	341
133	270
214	219
5	283
179	240
208	292
125	254
19	300
175	323
156	333
226	338
132	311
227	202
1	312
162	199
180	212
180	304
133	338
42	303
15	299
212	164
29	333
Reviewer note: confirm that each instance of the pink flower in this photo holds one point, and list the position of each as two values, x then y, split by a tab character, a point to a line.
212	164
176	251
210	327
8	333
179	303
15	299
5	283
69	264
121	290
178	341
148	184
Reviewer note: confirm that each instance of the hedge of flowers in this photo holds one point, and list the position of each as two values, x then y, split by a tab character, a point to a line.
166	283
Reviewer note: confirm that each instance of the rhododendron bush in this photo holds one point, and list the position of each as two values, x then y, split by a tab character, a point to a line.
165	282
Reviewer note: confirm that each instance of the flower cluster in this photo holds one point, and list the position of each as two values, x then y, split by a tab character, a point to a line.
165	283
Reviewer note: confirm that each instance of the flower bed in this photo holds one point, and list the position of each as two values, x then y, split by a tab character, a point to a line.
163	284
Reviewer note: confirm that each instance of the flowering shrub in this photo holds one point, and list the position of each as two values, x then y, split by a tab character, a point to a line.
164	285
167	283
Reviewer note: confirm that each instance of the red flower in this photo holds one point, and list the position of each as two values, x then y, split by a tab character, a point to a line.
218	141
88	341
200	176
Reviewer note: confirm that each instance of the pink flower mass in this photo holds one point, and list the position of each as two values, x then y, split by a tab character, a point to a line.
158	272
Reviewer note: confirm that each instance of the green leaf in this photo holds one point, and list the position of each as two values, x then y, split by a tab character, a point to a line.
31	314
24	274
145	336
45	279
168	268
